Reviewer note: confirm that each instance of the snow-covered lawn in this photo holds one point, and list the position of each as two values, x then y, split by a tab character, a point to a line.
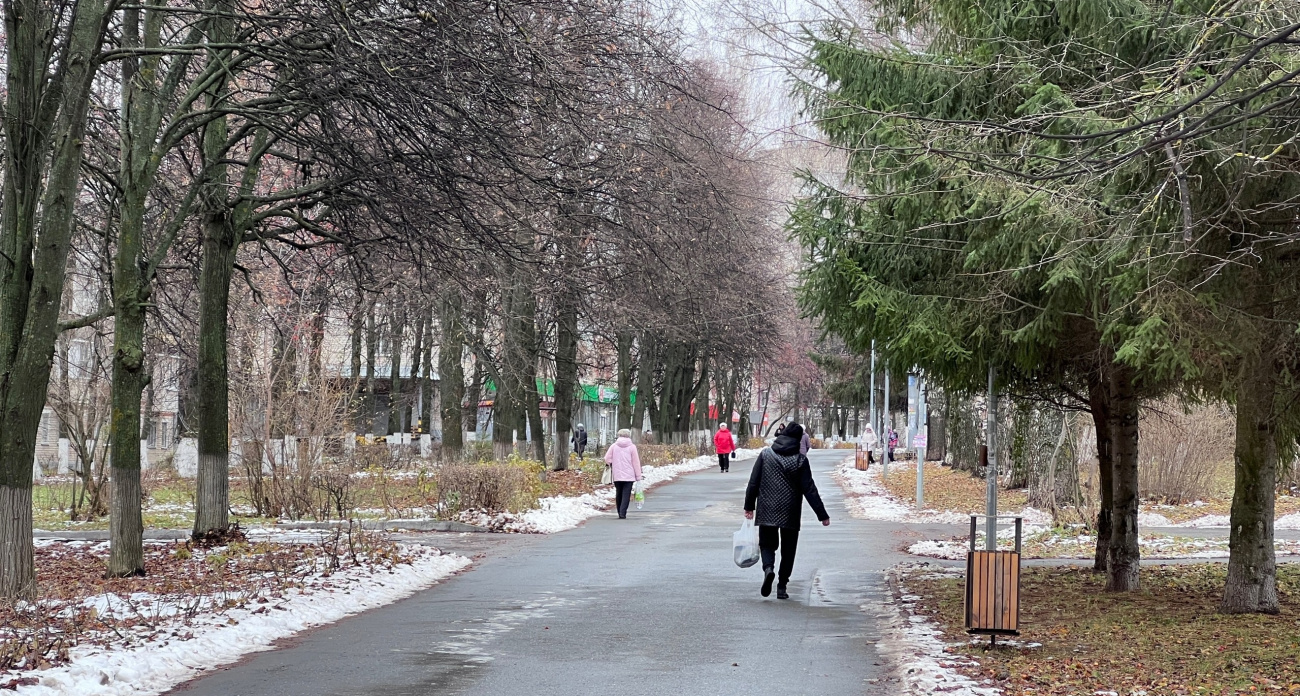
198	609
868	499
1040	542
558	513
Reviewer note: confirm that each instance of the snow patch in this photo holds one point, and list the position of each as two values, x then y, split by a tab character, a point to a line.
223	638
915	647
1153	519
1206	521
867	498
1291	521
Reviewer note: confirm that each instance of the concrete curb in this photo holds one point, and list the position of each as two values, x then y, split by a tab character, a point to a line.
391	525
182	534
102	535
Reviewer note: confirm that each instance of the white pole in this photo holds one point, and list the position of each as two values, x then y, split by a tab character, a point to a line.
991	496
871	411
884	428
920	451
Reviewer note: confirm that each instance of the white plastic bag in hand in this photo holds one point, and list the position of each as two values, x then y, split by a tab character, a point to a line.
745	542
638	494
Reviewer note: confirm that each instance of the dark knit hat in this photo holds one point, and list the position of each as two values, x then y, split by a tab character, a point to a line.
793	430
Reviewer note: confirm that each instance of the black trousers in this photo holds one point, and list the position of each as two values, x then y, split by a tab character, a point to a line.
724	461
769	539
623	496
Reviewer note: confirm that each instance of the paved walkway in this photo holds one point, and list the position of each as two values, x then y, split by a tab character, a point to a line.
648	605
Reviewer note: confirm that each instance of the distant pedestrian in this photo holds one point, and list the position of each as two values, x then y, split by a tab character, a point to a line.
579	440
779	482
625	462
892	444
780	429
724	445
805	443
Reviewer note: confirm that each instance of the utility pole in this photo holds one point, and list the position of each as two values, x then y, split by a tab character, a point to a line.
920	450
991	497
884	428
871	411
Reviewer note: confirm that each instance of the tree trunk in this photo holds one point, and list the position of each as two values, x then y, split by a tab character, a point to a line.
626	369
358	340
566	378
644	385
702	417
535	415
511	405
212	488
372	347
426	379
220	243
397	337
130	295
474	391
417	379
42	126
1102	422
451	373
1252	564
1124	555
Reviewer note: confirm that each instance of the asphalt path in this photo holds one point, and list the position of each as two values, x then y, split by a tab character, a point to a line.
648	605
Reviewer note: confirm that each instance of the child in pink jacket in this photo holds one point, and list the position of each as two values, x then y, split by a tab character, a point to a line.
625	463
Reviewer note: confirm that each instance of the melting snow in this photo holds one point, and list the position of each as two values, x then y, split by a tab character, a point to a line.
219	639
915	646
869	499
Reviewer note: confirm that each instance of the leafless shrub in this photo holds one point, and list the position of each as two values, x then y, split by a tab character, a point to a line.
1181	448
489	487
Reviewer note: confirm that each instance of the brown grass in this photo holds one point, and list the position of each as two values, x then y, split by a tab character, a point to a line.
948	489
1165	639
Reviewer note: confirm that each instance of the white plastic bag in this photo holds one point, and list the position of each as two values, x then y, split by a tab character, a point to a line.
745	542
638	494
608	477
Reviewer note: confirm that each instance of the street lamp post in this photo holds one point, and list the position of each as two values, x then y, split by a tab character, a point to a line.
920	441
884	429
871	410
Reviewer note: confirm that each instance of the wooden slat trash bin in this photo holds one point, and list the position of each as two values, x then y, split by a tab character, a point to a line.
861	459
993	588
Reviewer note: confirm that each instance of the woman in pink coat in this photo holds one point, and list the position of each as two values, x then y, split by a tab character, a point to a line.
625	462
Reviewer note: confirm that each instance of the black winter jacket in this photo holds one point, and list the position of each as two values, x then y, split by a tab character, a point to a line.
779	481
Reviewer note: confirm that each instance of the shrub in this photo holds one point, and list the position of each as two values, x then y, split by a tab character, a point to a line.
1181	449
661	455
755	443
491	487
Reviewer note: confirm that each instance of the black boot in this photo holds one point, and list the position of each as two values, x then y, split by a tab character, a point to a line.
768	577
781	593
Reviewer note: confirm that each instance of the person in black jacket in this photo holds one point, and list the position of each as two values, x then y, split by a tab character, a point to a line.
778	483
579	440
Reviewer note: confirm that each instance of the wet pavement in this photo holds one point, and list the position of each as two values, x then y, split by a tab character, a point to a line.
648	605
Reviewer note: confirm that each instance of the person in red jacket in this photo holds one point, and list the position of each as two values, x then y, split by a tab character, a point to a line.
724	445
